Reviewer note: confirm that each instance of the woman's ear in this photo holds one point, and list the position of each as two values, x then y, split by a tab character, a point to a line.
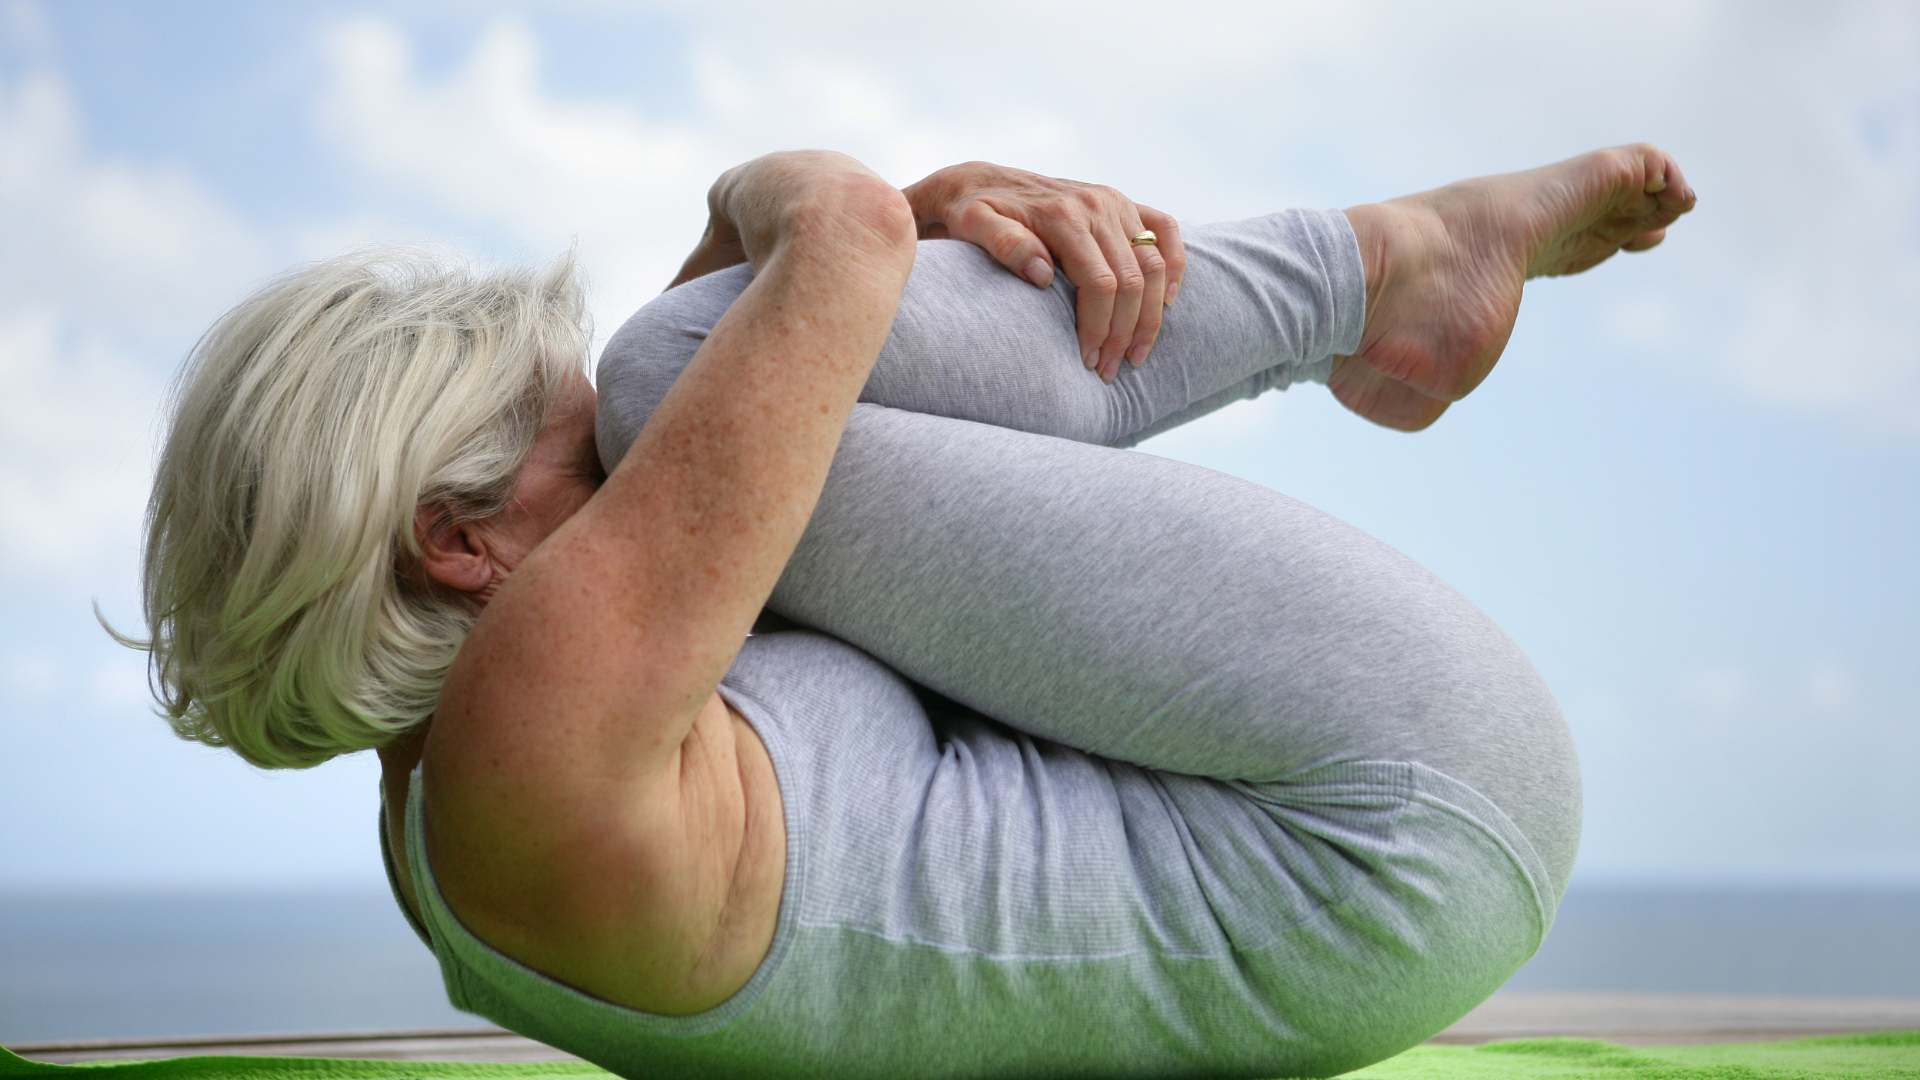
452	554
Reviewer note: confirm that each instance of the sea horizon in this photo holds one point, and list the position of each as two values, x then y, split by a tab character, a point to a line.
82	965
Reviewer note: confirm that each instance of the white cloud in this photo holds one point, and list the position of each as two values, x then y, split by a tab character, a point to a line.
1644	320
493	146
1230	434
75	452
30	675
488	143
1715	693
490	146
1821	222
137	249
109	267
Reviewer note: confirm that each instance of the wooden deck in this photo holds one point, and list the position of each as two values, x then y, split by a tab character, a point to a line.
1634	1019
1670	1019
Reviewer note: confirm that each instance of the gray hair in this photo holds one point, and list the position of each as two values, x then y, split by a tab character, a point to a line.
309	425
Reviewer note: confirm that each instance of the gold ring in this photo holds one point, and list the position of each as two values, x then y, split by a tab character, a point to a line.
1144	236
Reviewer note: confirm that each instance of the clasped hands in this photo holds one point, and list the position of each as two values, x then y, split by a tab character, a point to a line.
1033	224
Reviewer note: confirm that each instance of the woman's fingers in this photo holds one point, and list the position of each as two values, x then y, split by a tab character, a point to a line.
1013	244
1171	248
1157	263
1086	263
1088	231
1114	233
1153	293
1031	223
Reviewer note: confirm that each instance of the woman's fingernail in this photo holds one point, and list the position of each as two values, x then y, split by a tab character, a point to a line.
1138	354
1173	290
1090	358
1040	272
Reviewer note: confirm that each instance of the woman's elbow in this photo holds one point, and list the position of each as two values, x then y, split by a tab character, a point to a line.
856	210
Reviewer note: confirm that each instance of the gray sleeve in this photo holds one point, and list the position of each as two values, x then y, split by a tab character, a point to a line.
1267	302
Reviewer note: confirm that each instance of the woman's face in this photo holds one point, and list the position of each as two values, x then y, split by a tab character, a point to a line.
562	472
560	475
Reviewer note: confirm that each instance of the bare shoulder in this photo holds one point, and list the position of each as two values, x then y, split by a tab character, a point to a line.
669	904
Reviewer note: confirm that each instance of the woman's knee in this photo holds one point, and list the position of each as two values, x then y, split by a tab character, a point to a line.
971	341
1471	705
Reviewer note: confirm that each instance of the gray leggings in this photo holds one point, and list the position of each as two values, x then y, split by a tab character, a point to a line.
1140	609
1230	789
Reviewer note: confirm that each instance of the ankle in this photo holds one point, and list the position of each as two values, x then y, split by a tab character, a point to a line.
1370	231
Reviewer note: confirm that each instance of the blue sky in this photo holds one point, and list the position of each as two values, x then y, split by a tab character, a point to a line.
1689	491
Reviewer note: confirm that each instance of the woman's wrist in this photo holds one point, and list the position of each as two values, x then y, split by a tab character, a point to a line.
719	248
938	197
827	197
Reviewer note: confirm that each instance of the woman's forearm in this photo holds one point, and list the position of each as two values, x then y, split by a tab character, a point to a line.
749	430
755	195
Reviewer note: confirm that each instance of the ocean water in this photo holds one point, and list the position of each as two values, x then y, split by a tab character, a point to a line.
1848	944
112	967
99	967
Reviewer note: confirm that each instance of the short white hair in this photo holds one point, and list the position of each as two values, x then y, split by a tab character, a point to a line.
308	426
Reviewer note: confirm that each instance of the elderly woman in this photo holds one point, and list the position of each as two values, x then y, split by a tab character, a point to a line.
1110	765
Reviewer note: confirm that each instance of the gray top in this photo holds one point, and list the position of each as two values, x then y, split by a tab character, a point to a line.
965	900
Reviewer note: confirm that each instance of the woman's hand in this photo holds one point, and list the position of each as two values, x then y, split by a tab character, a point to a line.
1028	222
718	249
733	205
746	210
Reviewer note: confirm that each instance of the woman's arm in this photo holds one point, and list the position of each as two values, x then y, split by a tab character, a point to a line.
557	760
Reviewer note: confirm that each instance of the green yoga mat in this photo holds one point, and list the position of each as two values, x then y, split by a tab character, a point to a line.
1886	1055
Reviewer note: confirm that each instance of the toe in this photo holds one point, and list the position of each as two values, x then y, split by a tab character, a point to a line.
1672	195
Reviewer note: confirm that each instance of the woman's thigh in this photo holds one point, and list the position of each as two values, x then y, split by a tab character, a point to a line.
1162	614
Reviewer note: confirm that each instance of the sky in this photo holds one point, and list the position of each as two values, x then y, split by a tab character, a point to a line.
1691	490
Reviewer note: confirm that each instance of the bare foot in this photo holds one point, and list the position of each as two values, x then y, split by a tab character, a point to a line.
1445	269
